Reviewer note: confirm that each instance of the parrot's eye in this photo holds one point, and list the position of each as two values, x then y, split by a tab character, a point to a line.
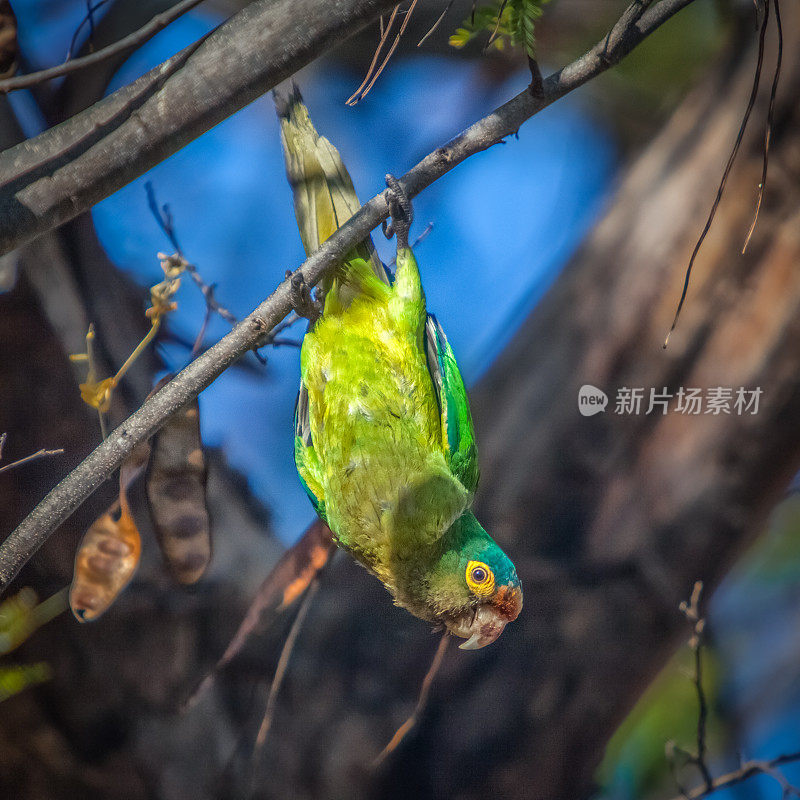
480	578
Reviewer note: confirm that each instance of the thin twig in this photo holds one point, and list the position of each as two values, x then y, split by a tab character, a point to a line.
731	158
422	701
280	670
86	18
31	457
376	55
93	374
286	582
90	9
166	222
691	611
371	77
163	217
770	120
436	24
37	527
500	11
133	40
389	55
746	771
197	347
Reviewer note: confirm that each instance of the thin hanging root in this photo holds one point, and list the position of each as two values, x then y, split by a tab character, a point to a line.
770	121
291	576
424	691
385	30
750	103
372	73
436	24
396	42
280	671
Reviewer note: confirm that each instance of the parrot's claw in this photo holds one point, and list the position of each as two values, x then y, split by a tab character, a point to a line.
401	210
304	304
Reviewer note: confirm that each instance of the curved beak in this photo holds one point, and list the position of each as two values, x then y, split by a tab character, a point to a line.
489	619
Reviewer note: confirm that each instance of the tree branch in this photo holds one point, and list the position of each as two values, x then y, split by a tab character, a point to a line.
55	176
15	551
748	770
130	42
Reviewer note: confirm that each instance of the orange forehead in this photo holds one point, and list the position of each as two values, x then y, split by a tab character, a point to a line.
508	601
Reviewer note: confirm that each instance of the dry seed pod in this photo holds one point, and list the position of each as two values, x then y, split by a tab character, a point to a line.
176	491
105	563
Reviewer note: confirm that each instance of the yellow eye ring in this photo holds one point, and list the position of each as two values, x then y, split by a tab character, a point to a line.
480	578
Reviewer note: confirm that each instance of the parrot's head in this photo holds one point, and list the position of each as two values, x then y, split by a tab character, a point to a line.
476	586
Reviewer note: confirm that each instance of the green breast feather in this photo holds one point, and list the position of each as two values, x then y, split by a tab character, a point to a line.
458	435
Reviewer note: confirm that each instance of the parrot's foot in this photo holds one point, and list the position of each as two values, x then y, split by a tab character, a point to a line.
401	210
303	302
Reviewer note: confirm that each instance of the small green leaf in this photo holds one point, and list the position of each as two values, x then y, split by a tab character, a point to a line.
507	22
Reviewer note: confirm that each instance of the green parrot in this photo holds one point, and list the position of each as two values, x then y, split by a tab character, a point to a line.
384	442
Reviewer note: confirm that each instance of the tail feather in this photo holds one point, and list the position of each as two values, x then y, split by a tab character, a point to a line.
324	197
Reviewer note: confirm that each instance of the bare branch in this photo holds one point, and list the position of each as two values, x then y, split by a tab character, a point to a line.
747	770
504	121
163	217
32	457
691	611
130	42
436	24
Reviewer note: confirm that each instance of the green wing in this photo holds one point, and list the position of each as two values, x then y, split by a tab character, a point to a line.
305	457
458	435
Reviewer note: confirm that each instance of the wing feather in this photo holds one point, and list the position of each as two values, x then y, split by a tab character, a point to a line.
458	433
305	457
